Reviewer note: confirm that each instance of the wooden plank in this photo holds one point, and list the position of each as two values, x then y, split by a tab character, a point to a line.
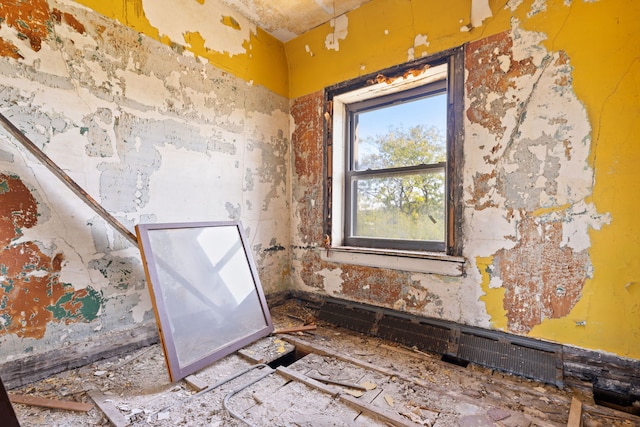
196	382
66	179
334	382
295	329
50	403
575	413
321	350
109	409
18	372
389	417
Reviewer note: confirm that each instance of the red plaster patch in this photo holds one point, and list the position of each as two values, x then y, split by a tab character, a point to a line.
10	50
542	278
485	62
308	161
378	286
29	277
32	21
307	136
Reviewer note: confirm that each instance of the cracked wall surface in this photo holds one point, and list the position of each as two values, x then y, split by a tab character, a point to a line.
153	134
211	31
171	120
545	217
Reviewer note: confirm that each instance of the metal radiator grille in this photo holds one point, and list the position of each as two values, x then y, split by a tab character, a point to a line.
510	357
423	336
347	317
522	356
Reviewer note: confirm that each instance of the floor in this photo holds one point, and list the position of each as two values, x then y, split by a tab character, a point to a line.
327	377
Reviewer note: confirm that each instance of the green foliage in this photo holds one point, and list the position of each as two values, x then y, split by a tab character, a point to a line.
407	205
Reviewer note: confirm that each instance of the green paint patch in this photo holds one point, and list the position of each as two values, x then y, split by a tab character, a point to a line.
82	305
4	187
84	130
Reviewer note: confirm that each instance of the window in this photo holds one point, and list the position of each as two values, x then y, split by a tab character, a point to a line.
394	151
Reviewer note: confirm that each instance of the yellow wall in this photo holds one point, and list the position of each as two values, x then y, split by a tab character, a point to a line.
381	34
601	40
262	62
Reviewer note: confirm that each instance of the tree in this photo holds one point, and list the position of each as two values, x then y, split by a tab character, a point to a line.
410	203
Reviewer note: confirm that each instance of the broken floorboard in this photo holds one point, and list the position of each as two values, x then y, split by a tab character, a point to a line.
406	382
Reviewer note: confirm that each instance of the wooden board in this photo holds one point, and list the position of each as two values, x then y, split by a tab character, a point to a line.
50	403
386	416
19	372
109	409
575	413
266	350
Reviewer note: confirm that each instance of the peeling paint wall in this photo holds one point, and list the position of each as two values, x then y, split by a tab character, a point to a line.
550	236
151	132
163	116
209	30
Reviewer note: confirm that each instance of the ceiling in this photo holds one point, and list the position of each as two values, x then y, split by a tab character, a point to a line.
287	19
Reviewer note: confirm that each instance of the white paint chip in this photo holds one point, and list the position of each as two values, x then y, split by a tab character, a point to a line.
339	25
420	40
205	19
480	11
505	63
308	50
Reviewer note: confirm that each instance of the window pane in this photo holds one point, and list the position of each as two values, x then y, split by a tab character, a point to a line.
404	134
407	207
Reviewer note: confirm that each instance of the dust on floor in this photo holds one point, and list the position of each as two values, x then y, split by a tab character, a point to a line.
332	377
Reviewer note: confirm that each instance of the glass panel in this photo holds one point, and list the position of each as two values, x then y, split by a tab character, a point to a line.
409	207
205	292
405	134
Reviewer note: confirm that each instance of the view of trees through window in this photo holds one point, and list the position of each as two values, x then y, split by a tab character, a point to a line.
402	193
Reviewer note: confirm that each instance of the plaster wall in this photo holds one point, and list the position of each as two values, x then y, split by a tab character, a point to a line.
162	116
551	109
150	131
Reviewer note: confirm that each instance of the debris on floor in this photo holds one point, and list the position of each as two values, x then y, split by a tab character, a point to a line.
320	377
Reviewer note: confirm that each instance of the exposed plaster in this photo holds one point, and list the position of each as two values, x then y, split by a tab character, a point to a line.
419	40
537	170
340	30
154	135
206	19
480	11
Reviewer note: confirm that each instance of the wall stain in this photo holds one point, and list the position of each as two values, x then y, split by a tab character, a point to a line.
542	279
31	294
60	17
385	287
308	155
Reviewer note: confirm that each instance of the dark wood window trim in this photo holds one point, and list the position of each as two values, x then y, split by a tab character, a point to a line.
455	137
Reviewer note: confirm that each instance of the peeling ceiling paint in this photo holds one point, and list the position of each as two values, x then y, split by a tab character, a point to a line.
285	19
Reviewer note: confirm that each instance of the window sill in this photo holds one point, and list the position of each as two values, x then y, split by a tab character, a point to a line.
418	262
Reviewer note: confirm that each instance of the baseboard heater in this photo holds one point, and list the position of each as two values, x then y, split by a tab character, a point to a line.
525	357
